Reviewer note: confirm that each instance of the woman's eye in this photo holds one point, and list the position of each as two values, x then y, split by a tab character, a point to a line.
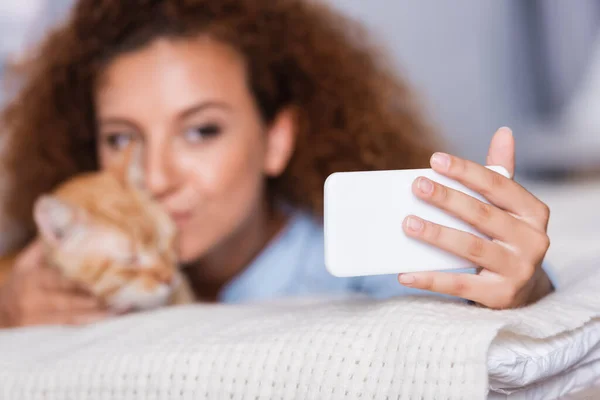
118	141
203	132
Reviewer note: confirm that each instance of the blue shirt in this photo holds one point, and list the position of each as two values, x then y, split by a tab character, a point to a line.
293	265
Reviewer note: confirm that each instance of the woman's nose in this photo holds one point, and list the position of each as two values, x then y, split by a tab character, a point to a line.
160	173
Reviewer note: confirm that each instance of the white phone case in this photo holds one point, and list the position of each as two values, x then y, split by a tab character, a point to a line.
364	212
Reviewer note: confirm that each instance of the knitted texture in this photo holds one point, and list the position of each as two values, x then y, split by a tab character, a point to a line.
405	348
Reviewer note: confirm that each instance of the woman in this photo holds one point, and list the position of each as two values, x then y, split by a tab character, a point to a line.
246	106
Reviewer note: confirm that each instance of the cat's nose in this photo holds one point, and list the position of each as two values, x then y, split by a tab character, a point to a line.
164	276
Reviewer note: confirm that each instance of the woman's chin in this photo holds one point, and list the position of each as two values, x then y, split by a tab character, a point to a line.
187	257
190	252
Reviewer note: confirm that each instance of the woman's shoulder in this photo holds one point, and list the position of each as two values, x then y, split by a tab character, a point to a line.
308	231
292	264
306	240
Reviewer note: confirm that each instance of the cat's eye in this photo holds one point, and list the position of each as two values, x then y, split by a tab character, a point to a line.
203	132
131	259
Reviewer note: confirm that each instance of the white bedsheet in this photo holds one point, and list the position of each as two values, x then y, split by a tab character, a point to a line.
301	349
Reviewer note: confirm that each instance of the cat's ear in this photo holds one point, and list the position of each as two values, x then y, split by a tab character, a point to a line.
134	166
55	218
130	168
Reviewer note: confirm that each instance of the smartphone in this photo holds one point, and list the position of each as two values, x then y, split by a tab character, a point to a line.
363	217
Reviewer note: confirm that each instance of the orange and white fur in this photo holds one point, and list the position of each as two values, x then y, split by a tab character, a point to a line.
104	231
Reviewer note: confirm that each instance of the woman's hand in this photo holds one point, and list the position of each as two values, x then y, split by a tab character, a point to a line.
34	294
510	275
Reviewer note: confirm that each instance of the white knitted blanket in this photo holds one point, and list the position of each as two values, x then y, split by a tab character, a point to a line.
295	349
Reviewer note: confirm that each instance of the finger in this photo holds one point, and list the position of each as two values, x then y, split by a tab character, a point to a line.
502	150
32	257
82	318
490	291
66	302
88	318
503	192
52	280
479	251
484	217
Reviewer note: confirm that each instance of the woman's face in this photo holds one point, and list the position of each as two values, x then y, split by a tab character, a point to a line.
208	151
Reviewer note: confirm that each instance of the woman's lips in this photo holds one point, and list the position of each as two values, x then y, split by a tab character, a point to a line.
180	217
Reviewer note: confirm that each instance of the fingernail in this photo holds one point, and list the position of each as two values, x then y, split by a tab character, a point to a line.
506	130
425	186
414	224
119	312
441	160
406	279
504	138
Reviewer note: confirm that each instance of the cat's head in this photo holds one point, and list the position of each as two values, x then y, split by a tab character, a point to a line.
104	231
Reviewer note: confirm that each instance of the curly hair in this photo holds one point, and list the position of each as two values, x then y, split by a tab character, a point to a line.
354	113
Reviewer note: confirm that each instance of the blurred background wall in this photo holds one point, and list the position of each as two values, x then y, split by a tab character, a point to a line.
477	65
482	64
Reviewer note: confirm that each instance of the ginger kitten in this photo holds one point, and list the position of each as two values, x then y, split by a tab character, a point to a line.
104	231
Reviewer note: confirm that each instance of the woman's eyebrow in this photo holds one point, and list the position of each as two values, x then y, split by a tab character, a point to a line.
181	115
117	121
203	106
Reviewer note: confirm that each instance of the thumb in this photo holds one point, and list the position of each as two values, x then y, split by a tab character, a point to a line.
502	150
32	256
